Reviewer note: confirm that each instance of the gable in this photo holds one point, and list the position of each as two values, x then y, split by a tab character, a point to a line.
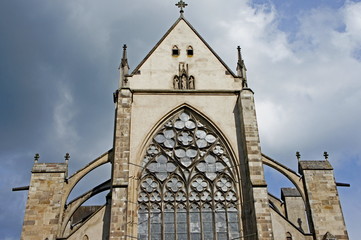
158	69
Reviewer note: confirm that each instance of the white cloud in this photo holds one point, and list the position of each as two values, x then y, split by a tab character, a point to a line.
315	71
307	87
63	116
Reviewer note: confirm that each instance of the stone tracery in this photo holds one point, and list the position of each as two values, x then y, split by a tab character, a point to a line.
188	184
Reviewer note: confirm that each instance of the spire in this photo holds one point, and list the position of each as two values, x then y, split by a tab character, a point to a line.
241	68
124	67
181	5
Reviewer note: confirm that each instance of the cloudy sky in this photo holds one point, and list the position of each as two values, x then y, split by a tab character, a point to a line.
58	70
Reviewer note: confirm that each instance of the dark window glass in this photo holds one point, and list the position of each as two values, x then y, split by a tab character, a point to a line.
175	51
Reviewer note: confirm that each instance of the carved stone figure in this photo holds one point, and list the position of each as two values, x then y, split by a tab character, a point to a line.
183	80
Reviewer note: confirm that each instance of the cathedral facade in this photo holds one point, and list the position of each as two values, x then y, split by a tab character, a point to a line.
186	162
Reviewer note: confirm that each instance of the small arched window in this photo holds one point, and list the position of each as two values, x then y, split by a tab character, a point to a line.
189	51
175	51
288	236
85	237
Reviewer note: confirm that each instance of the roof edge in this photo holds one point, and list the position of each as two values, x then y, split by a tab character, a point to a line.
198	35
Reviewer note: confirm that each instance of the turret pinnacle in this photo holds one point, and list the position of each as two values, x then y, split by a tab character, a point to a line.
241	68
123	68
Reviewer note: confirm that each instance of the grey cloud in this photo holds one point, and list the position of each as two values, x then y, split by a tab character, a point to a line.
48	47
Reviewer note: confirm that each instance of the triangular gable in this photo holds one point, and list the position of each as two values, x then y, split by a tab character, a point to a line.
198	35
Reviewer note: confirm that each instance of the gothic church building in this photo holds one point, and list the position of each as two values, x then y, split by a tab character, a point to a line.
186	162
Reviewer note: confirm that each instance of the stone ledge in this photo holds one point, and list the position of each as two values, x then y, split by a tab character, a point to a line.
49	168
314	165
258	183
289	192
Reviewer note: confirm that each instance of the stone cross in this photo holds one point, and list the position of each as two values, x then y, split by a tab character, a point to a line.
325	154
67	157
36	157
181	5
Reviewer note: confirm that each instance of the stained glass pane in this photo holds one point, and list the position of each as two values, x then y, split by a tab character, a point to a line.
182	225
210	138
191	153
159	138
221	223
195	224
180	152
207	224
233	224
201	134
155	225
143	225
190	125
168	134
169	228
169	236
184	117
196	236
222	236
179	124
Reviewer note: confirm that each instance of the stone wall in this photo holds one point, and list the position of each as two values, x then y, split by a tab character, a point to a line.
323	199
120	166
281	227
295	208
44	202
93	228
258	223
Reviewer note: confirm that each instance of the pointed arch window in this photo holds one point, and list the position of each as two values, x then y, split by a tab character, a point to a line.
190	51
288	236
187	188
175	51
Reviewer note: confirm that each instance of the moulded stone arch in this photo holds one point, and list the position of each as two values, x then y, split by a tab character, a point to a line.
288	173
148	138
188	167
74	205
73	180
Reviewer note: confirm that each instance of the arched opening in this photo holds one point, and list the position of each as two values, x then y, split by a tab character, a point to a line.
175	51
93	178
285	199
190	51
82	209
288	236
188	186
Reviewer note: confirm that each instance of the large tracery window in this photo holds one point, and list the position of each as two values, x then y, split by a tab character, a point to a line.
188	184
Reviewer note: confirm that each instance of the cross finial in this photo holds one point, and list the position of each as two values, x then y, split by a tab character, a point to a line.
325	154
124	58
181	5
67	156
298	155
36	157
239	53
